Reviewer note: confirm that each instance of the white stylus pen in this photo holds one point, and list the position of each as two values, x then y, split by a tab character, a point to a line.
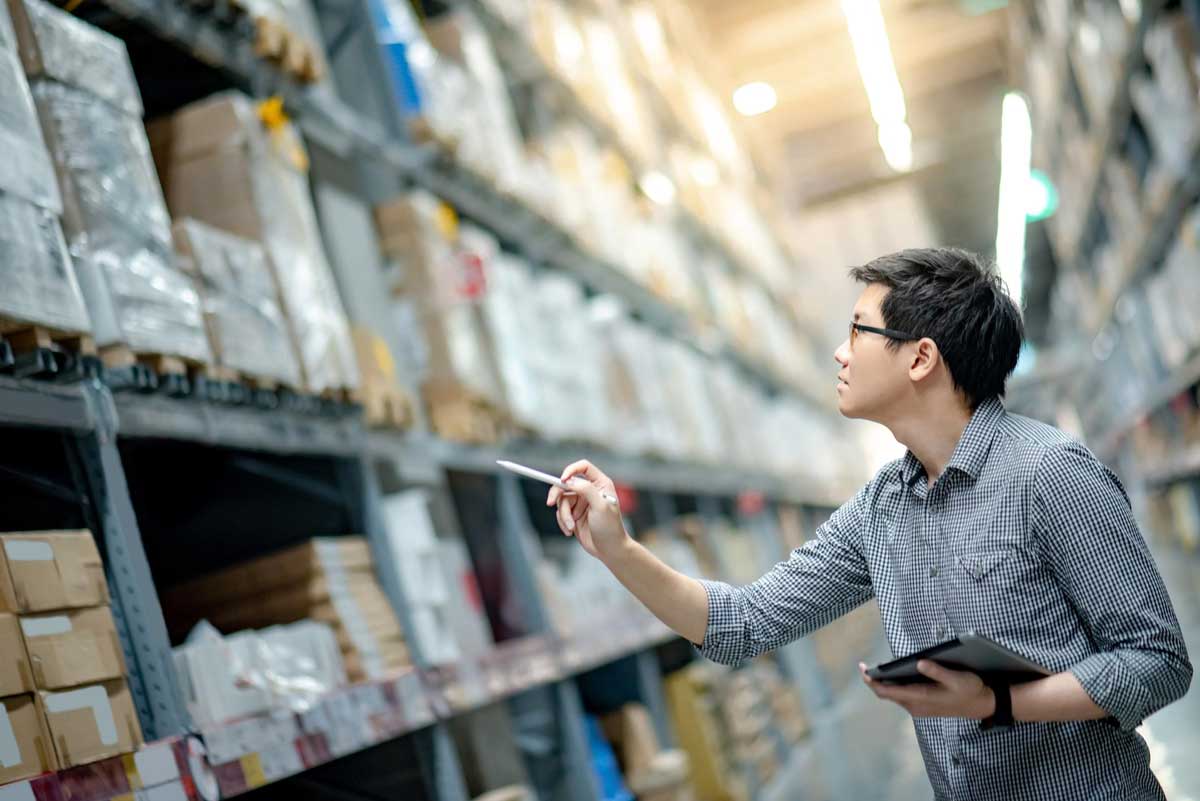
545	478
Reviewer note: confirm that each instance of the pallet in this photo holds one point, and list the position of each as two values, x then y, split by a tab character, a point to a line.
460	415
386	409
28	350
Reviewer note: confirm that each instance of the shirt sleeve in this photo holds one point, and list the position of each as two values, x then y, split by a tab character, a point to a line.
821	581
1100	559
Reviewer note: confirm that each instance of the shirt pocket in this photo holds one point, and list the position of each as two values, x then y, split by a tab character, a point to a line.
979	564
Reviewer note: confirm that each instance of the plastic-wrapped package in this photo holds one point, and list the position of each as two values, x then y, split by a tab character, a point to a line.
509	312
253	672
39	281
222	164
246	327
117	227
26	170
63	48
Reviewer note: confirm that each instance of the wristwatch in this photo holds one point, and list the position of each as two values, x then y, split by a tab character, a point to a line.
1002	717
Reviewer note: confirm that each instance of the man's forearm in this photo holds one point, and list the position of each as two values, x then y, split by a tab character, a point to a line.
1056	698
675	599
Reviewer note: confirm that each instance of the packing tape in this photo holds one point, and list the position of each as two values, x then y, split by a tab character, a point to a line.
10	752
94	698
28	551
46	626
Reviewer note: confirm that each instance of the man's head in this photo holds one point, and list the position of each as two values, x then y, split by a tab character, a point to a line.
954	334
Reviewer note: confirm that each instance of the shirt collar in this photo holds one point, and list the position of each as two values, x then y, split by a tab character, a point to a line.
973	446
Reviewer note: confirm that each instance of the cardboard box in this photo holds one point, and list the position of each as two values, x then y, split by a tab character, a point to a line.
44	571
240	166
315	557
632	735
91	723
72	648
25	747
16	677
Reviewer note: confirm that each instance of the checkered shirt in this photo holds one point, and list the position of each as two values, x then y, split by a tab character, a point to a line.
1026	538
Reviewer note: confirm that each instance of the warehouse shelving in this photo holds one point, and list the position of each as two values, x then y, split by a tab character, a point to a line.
346	132
1109	129
37	403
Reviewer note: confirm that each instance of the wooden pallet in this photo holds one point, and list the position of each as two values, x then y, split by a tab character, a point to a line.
386	409
26	337
460	415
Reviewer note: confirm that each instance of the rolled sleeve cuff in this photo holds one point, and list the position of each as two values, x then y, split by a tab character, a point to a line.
724	637
1114	688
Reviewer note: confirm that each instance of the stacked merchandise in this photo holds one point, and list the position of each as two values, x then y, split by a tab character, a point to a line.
246	329
40	283
695	715
787	707
443	626
651	772
386	404
328	579
241	167
250	673
115	221
286	33
65	700
1166	99
749	723
440	275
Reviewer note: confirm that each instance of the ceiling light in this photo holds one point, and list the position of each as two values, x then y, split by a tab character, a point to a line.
754	98
896	140
658	188
873	53
1016	149
705	172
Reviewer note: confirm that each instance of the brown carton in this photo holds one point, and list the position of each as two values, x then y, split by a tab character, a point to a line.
280	569
25	748
47	570
15	674
91	723
73	648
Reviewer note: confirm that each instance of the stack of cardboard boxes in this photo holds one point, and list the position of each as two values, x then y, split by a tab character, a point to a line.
327	579
241	166
62	676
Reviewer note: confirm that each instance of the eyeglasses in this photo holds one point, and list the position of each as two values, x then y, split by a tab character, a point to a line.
890	333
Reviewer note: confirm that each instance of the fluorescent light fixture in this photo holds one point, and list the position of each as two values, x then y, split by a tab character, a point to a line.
896	140
754	98
1016	151
705	172
873	52
658	187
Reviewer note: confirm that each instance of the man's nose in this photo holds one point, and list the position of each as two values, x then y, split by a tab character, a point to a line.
842	354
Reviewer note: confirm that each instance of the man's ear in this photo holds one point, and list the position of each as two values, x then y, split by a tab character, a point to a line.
925	359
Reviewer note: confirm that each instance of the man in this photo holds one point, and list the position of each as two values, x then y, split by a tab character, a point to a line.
991	522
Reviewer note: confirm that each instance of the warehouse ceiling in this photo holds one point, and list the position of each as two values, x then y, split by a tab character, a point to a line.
820	141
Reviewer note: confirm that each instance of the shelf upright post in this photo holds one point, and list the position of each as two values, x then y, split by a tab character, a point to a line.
152	678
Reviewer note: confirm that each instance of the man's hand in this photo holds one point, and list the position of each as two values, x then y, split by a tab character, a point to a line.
953	693
585	514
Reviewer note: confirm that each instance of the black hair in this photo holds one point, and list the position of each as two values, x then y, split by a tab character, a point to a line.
959	301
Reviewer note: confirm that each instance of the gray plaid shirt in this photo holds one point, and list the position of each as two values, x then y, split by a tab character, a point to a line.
1025	538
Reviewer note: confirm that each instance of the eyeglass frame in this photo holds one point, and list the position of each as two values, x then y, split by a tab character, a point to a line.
890	333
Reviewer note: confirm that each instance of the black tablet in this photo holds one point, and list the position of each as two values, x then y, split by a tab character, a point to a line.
969	651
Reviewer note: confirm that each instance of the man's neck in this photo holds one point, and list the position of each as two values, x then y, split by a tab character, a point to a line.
933	436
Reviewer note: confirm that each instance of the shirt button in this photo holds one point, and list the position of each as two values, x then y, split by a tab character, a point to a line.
933	572
940	633
956	759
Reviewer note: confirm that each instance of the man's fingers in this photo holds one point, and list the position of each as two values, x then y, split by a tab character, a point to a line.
932	670
566	520
583	467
